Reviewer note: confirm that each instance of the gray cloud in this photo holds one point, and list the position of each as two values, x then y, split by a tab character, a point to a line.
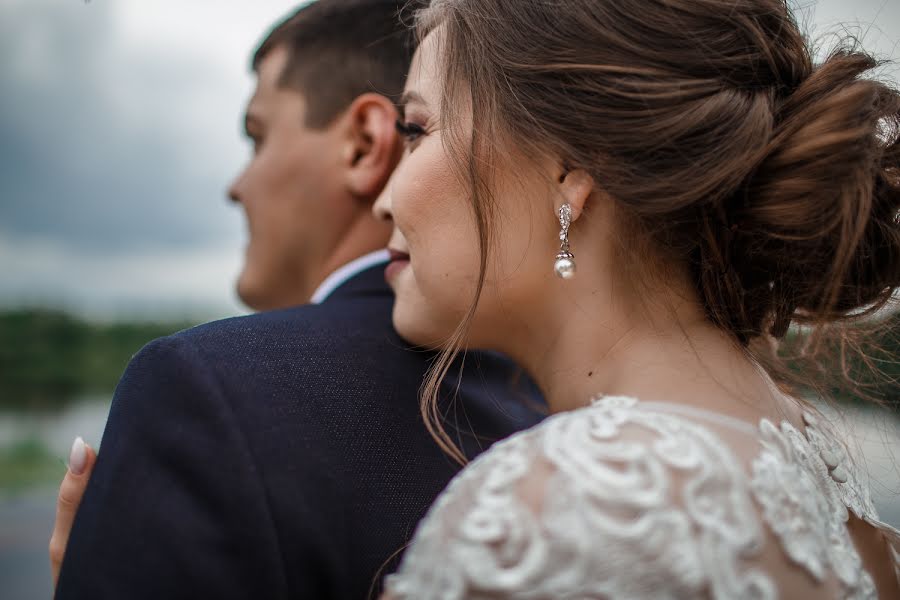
119	133
96	154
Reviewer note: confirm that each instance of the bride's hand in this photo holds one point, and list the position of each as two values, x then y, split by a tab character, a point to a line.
81	463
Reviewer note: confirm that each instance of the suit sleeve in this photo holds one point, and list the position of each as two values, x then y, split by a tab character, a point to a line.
175	507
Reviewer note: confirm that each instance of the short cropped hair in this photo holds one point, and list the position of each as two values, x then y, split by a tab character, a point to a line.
339	50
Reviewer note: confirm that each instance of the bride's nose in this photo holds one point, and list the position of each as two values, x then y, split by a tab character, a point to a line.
382	207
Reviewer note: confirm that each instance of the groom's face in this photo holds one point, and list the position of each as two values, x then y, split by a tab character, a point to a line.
289	192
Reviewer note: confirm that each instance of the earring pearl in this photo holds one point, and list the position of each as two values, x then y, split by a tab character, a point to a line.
564	266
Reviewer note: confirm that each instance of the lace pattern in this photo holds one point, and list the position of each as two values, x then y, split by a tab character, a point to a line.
620	501
803	505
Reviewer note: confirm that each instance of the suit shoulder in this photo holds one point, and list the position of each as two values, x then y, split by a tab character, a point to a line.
336	317
346	329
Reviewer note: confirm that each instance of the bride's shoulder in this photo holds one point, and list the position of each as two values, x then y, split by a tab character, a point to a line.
570	506
586	449
624	431
563	508
618	447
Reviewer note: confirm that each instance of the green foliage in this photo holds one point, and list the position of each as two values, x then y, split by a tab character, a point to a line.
852	363
26	464
48	358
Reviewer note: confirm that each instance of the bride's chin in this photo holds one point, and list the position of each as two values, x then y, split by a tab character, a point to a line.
407	326
417	326
425	320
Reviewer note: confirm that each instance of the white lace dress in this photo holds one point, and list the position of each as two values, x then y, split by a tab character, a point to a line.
625	499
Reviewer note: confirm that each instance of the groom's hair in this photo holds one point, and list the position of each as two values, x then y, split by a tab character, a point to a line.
340	49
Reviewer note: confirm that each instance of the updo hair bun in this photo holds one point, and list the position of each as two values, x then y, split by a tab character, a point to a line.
813	235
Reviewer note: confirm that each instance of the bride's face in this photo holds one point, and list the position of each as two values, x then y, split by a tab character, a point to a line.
435	225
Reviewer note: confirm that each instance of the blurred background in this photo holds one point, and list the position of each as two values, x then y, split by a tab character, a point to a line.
120	129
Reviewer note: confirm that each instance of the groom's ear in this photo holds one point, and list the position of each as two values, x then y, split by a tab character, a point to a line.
372	146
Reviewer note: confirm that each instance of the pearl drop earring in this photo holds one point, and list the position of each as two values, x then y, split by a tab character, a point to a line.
565	260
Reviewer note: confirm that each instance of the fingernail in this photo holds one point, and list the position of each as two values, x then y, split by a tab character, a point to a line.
78	457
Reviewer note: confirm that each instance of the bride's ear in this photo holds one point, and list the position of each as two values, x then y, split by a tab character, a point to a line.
574	186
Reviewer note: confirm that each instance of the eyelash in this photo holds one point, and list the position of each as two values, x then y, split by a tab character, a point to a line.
410	131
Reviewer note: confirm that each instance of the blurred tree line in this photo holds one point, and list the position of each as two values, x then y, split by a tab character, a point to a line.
49	358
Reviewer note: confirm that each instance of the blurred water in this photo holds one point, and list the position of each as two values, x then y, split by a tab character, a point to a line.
26	518
56	431
26	521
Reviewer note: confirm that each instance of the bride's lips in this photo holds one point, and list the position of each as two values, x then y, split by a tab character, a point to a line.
399	261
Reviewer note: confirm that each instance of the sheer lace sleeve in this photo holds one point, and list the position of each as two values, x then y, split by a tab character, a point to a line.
610	501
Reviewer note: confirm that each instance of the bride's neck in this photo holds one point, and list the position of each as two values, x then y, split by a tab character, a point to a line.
586	343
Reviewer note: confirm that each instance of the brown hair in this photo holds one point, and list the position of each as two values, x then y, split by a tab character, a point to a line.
776	181
340	49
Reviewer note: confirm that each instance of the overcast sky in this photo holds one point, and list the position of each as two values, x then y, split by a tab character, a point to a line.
120	131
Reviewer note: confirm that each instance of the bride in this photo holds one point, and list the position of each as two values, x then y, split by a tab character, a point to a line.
632	199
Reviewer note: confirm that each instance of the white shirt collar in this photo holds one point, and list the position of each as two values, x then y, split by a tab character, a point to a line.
352	268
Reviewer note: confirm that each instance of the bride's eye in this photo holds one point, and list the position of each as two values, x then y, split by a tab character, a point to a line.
410	131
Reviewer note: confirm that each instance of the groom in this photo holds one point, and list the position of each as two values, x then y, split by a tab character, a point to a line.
282	455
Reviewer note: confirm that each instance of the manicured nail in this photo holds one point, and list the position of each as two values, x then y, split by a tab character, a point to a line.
78	457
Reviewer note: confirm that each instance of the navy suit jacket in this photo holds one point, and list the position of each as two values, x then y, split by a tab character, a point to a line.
277	455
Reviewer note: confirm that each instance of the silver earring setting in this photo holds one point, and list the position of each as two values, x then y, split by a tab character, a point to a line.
565	260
